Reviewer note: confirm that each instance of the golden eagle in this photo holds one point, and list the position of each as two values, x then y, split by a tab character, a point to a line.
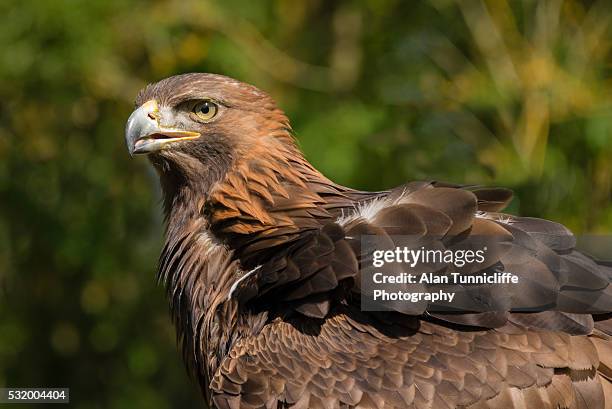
262	262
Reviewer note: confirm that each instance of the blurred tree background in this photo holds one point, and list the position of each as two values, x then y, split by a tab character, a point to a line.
516	94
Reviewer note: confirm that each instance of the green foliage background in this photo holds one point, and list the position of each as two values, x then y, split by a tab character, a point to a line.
515	94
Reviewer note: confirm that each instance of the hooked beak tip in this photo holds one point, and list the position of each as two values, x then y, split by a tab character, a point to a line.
143	133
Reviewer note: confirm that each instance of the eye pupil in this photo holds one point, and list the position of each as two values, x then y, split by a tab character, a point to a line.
205	109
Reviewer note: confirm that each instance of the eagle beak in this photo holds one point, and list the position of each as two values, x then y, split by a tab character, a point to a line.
144	134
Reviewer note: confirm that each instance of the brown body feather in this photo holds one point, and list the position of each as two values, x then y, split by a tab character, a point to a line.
262	259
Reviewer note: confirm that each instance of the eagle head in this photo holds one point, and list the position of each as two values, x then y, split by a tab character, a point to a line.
190	121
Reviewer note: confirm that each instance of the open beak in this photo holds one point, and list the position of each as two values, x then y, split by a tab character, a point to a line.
144	134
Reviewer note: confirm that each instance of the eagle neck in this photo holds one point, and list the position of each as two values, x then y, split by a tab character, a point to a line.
197	272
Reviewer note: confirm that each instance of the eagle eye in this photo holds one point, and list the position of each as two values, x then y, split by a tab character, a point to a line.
205	110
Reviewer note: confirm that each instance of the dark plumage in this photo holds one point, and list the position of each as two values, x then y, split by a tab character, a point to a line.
261	263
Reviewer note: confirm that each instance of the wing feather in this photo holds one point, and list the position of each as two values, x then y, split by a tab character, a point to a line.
325	353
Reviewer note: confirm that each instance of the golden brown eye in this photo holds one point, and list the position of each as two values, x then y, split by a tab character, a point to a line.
205	110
